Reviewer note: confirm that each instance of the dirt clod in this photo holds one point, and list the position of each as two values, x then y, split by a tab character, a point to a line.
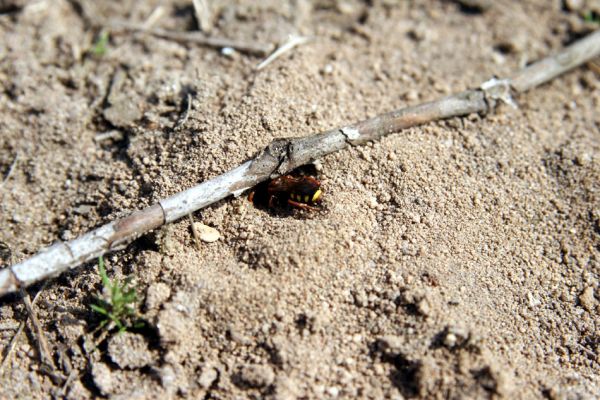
208	376
156	295
587	299
256	376
130	350
103	378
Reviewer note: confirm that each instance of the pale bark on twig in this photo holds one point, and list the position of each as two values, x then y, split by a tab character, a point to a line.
282	156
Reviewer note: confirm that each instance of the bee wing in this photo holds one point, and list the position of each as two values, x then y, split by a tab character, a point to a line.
283	184
307	187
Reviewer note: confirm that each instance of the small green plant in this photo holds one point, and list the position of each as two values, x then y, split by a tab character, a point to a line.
101	46
117	302
591	16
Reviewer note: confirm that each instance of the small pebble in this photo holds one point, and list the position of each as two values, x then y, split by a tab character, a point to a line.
206	233
587	299
333	391
207	377
391	345
257	375
129	351
102	377
157	294
411	95
574	5
227	51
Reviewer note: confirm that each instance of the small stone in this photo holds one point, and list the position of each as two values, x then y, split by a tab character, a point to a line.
103	379
450	340
333	391
327	69
228	51
574	5
423	307
455	336
587	299
206	233
122	113
286	388
157	294
390	345
78	391
168	378
411	95
208	376
83	209
256	376
71	330
129	350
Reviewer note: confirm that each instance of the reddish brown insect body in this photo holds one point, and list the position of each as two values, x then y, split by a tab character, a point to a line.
300	192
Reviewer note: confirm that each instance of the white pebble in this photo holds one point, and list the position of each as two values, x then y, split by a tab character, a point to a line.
206	233
227	51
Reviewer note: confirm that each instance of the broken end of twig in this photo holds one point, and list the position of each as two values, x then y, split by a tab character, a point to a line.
8	282
498	90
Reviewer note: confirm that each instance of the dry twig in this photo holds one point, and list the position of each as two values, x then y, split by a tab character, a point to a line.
197	38
13	342
43	349
282	156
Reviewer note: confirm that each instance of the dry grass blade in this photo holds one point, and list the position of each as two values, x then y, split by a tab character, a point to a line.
195	234
196	38
13	342
203	15
292	42
43	348
156	15
10	170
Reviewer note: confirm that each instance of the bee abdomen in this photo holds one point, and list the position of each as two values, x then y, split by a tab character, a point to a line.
300	198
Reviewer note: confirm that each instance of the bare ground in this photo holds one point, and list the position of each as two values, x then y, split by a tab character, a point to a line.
455	260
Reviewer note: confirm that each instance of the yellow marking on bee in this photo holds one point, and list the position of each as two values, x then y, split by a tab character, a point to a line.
316	196
306	198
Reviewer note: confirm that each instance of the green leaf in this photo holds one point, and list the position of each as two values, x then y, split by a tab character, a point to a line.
101	45
590	16
98	309
103	275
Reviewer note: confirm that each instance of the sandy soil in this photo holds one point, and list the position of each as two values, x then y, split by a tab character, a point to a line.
456	260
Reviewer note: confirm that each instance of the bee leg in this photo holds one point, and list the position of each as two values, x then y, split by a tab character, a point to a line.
271	201
251	196
301	205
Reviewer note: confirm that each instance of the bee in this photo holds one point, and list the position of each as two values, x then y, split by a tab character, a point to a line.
300	192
